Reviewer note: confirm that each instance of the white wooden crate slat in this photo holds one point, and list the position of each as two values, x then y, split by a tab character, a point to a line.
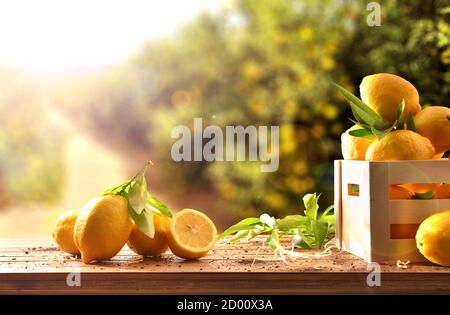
364	221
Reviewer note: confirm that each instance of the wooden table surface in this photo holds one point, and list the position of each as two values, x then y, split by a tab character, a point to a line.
39	267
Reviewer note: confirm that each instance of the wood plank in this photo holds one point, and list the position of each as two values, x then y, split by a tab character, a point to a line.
38	267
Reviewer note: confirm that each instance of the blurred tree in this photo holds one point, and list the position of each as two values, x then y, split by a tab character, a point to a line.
30	154
266	63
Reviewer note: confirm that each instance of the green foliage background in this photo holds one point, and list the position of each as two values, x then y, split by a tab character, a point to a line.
262	63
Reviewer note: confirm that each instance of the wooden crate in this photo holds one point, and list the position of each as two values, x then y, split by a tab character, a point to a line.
364	220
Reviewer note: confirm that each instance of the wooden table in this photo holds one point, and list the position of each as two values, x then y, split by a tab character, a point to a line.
39	267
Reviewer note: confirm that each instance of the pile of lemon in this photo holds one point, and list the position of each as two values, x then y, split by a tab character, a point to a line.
383	93
103	226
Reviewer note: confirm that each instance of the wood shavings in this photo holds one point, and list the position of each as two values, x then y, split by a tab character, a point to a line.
402	265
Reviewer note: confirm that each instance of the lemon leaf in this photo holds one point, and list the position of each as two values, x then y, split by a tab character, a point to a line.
311	205
381	133
299	240
360	133
144	221
410	122
292	222
426	195
137	196
274	242
320	230
400	116
115	190
157	204
243	225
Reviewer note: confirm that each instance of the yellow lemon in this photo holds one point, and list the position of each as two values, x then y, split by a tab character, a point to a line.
400	145
384	93
433	238
443	191
434	123
63	233
421	188
192	234
399	193
103	227
143	245
354	148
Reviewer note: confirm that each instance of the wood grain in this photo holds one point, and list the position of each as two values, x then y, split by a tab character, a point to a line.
39	267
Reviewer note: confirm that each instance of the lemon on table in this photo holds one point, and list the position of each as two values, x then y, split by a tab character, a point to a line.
103	227
400	145
64	229
143	245
192	234
433	238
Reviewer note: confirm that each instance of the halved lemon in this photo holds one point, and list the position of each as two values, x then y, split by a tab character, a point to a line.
192	234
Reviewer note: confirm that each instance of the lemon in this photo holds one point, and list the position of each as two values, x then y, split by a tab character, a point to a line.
384	92
63	233
434	123
192	234
102	228
354	148
400	145
143	245
399	193
433	238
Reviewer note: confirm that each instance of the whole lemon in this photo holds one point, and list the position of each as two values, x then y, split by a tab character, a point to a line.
102	228
433	238
354	148
400	145
63	233
143	245
384	92
434	123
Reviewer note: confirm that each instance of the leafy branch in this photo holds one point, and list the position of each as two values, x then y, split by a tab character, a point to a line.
141	203
308	230
370	122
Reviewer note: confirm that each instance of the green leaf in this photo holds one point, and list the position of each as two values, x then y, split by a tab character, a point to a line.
157	204
144	221
239	235
381	133
331	207
245	224
298	240
292	222
320	230
360	133
328	219
137	196
274	242
362	111
311	205
410	122
115	190
361	124
258	229
425	196
401	116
